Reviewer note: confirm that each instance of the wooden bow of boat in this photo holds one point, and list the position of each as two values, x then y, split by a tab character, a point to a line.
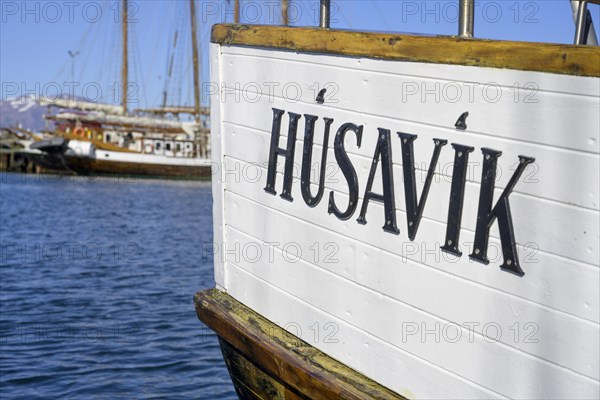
267	362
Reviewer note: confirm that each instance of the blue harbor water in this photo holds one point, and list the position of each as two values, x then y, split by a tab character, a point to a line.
96	283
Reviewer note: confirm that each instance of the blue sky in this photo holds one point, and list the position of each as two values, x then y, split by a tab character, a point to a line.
35	37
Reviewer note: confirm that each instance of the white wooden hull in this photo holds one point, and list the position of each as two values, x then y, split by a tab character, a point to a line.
420	321
83	158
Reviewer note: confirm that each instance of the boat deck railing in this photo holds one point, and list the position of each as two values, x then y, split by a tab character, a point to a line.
584	27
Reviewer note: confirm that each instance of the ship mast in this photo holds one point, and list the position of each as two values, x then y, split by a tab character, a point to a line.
124	68
284	12
195	58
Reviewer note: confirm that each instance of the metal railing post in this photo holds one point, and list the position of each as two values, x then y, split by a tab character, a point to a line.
325	15
580	24
466	21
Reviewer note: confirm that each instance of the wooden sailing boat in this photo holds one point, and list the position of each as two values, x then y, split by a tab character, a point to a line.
443	247
106	139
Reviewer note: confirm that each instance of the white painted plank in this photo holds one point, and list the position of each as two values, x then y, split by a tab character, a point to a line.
390	366
560	212
568	84
465	301
548	281
557	228
555	119
387	319
561	175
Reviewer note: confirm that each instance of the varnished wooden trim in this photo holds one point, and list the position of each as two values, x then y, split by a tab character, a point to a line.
540	57
305	370
250	381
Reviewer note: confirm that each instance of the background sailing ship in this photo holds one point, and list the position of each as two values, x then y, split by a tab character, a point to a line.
107	139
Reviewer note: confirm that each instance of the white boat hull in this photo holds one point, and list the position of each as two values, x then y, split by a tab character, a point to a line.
418	320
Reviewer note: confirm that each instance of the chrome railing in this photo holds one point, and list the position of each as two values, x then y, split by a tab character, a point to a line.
584	27
466	18
325	14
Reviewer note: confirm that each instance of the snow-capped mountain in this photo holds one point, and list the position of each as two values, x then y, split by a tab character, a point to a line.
24	112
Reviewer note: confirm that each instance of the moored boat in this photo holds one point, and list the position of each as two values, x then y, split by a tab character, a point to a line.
425	227
83	158
96	143
107	139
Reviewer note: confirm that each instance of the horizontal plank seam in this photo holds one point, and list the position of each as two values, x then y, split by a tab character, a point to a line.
375	338
493	235
424	77
413	261
450	129
593	324
419	169
508	347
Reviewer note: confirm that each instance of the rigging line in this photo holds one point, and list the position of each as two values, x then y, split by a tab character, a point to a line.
346	19
110	53
166	73
61	73
80	48
117	60
84	38
381	16
156	39
188	74
89	54
171	46
182	54
98	41
107	70
100	62
170	61
185	70
105	66
138	53
198	42
68	60
86	53
177	81
168	80
200	56
184	73
133	76
159	16
173	62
